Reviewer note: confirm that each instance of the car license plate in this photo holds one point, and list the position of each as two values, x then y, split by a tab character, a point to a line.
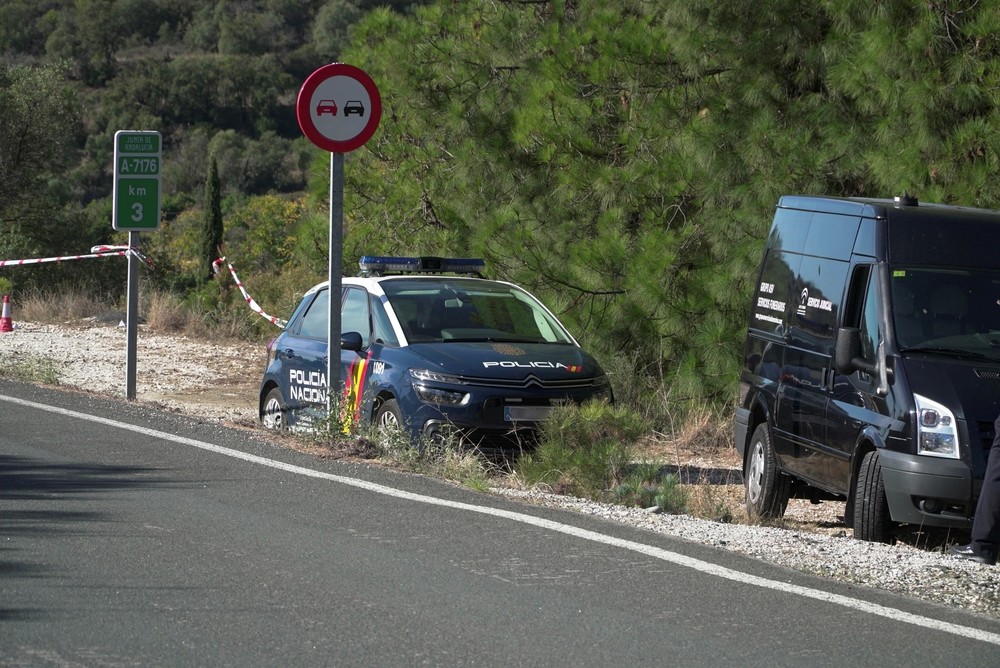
525	413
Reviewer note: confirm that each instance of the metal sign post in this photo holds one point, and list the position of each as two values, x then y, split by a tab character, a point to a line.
336	270
338	109
136	196
132	316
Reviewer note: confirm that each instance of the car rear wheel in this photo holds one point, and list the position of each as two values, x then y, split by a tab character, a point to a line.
275	413
767	488
872	521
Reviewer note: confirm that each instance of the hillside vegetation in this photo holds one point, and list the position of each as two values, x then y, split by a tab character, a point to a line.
619	159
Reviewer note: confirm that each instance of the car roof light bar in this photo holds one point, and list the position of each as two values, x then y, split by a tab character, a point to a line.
372	265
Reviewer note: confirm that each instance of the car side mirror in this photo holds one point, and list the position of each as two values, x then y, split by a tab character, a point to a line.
847	353
351	341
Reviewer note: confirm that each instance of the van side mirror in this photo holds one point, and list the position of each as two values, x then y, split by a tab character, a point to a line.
351	341
847	353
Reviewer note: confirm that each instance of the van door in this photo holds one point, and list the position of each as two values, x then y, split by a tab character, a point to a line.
855	403
807	377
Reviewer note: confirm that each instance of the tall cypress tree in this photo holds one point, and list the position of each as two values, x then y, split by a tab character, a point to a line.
212	227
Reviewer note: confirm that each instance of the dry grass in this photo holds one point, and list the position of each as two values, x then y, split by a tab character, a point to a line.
161	312
57	307
702	455
164	312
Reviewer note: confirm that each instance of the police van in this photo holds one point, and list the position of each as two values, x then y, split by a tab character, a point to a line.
430	347
871	371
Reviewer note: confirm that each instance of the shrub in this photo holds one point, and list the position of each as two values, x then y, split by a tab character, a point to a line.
584	450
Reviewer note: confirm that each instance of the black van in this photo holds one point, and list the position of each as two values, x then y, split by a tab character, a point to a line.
871	372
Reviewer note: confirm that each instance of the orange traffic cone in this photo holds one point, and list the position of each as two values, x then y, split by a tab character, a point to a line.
6	324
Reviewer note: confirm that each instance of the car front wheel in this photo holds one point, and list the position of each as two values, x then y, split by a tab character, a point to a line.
387	417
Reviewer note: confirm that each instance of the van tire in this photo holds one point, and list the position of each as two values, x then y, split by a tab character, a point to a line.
767	488
872	521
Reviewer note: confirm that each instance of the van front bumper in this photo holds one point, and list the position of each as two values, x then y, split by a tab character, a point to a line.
926	490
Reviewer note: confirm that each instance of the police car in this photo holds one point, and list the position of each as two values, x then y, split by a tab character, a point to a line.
429	346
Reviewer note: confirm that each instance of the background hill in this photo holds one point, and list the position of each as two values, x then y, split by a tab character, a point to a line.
619	159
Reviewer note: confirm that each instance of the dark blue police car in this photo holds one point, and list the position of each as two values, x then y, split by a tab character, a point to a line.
430	347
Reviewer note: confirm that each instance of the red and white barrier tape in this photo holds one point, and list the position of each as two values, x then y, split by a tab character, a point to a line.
96	251
253	305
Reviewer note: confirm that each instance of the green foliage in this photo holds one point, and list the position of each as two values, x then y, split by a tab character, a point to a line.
664	493
584	450
623	161
38	117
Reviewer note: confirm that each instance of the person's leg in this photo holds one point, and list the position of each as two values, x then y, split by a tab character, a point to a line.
986	527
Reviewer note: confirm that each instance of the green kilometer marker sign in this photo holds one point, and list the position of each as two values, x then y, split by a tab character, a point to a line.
138	155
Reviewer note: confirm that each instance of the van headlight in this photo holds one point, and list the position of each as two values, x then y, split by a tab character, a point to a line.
937	432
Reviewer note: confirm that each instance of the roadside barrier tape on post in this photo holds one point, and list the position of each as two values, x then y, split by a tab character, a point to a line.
96	251
253	305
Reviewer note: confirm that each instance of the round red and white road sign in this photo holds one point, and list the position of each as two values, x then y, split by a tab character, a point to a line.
339	107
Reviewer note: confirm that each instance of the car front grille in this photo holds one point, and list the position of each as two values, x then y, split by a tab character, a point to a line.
531	381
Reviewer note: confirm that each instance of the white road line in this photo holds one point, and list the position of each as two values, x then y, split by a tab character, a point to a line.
648	550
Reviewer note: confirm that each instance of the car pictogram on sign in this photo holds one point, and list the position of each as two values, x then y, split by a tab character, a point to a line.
319	123
354	107
327	107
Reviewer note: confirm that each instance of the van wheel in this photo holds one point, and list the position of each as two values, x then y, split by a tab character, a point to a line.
767	488
871	511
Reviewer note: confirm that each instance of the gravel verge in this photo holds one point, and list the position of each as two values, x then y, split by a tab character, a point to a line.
218	381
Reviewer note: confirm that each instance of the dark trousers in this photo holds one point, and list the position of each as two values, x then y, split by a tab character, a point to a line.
986	526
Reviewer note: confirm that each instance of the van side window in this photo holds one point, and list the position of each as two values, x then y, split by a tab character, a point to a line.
818	302
861	310
869	320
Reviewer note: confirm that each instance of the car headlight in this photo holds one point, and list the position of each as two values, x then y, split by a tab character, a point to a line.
435	395
434	376
937	431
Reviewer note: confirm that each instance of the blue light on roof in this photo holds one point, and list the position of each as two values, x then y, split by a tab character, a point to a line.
379	265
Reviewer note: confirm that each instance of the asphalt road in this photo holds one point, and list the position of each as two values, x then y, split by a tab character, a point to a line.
135	537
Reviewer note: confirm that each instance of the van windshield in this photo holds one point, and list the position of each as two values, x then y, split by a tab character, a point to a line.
954	312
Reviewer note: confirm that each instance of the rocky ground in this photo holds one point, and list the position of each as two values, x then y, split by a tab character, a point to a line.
218	381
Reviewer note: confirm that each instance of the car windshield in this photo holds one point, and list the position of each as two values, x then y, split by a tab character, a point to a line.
466	309
953	312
